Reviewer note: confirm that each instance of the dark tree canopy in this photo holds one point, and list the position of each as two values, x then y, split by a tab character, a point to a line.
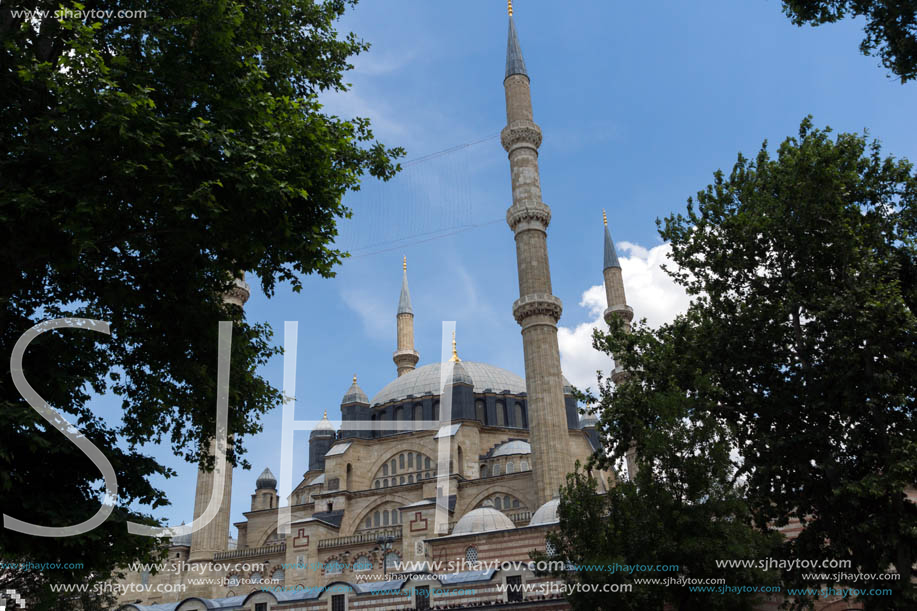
788	387
145	163
891	27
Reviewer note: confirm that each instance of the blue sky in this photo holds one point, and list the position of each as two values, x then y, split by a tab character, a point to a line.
639	104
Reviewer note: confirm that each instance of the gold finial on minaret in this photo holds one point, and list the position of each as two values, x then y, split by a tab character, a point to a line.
509	7
404	264
455	358
604	217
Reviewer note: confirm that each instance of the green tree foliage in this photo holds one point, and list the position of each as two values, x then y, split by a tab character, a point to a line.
891	27
798	349
146	162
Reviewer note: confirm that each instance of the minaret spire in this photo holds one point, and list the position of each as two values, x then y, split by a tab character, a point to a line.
537	310
405	356
617	308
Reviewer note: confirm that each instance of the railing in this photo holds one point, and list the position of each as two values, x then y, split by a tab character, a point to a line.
249	552
364	536
520	518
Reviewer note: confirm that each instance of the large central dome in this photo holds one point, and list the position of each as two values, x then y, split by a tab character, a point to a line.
425	380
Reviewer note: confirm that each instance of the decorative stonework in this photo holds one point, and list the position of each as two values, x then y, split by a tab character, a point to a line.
538	304
620	310
532	216
419	523
301	539
520	133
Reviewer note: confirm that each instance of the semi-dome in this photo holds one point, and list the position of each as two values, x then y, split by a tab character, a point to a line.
546	514
425	380
510	448
266	480
482	520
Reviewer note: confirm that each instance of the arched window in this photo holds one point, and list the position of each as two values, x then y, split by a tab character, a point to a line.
461	462
471	554
144	578
394	466
410	479
510	468
369	522
427	462
436	410
402	481
391	560
507	502
501	414
410	460
480	412
394	516
483	470
349	478
418	412
334	567
401	461
498	503
377	519
418	461
516	503
385	518
362	563
496	469
233	580
277	576
519	415
376	484
255	577
385	483
385	469
524	465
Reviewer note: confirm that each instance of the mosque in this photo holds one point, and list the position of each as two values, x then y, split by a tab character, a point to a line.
478	490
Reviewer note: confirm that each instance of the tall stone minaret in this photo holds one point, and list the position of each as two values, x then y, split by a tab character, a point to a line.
537	310
405	356
617	308
214	537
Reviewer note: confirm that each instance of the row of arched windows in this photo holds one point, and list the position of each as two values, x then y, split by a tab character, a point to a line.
498	469
402	413
384	517
502	414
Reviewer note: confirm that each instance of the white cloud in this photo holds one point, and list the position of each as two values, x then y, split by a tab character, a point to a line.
650	292
378	318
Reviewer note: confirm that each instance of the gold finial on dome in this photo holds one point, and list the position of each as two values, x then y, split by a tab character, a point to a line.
325	415
455	358
354	378
404	263
509	7
604	217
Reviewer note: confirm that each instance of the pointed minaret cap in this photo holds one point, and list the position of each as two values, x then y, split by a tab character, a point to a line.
611	257
514	62
354	394
404	302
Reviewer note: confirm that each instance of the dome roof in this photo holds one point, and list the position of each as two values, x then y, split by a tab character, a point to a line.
460	375
516	446
587	421
425	380
355	394
482	520
546	514
266	480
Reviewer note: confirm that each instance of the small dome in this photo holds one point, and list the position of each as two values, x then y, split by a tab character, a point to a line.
266	480
181	540
510	448
546	514
482	520
588	421
355	394
324	426
318	480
